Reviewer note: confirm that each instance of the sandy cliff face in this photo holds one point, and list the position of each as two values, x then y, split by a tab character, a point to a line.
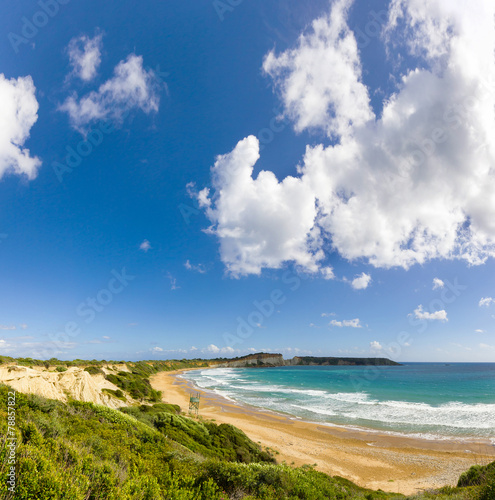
260	359
74	383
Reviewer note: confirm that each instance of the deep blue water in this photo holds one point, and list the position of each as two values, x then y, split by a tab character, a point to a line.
431	399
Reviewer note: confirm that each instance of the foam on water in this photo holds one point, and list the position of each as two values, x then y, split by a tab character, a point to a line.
364	408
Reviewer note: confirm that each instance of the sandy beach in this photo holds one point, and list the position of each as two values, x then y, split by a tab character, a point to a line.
372	460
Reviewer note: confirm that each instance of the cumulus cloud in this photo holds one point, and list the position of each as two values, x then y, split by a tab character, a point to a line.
413	184
18	113
261	222
437	283
85	56
486	301
131	87
351	323
320	80
361	282
479	331
437	315
145	246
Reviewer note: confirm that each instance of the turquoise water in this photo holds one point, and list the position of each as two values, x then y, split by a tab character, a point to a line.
427	399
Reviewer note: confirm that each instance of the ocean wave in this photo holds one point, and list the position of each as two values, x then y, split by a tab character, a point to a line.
352	408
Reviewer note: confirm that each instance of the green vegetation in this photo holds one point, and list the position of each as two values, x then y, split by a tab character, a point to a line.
136	382
76	451
94	370
210	440
117	394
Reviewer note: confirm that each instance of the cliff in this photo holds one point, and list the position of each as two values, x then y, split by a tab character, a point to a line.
75	383
251	360
267	360
328	361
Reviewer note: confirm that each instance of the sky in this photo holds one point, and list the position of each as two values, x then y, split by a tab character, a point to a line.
189	179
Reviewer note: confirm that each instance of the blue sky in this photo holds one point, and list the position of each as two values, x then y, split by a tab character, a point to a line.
198	179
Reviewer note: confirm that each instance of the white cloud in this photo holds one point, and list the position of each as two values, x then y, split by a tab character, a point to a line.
203	199
261	222
18	113
173	282
327	273
437	315
437	283
106	337
85	56
157	349
375	346
192	267
212	349
131	87
7	327
351	323
479	331
486	301
320	80
413	184
361	282
326	315
487	346
145	246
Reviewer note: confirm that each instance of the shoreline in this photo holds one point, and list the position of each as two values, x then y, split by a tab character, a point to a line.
371	459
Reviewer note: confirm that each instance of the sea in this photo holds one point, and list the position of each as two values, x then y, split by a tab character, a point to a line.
425	400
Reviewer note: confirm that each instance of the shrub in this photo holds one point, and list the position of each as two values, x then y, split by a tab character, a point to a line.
94	370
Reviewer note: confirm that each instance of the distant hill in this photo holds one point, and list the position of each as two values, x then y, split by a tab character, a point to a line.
266	360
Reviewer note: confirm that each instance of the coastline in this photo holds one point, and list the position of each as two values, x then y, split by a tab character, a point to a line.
371	459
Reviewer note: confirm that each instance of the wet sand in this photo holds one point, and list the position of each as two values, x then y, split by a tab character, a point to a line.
372	460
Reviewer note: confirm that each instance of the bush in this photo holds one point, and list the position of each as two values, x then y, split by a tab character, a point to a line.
94	370
61	369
